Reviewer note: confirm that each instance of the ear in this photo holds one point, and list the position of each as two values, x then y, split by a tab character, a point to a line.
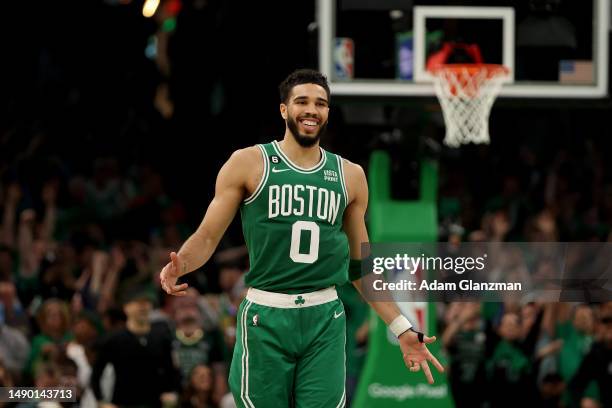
283	110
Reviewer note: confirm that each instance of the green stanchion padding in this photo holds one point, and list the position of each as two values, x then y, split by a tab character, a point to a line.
385	381
401	221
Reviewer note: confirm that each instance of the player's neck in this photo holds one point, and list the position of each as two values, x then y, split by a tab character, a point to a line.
305	157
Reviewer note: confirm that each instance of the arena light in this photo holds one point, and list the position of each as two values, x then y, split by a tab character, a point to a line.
149	8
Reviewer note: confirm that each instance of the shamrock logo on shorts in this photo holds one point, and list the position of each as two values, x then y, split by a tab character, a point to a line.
300	300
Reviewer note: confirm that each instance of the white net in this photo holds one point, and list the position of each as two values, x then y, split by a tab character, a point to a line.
466	93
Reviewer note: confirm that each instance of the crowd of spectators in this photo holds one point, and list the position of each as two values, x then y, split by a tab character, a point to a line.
530	351
80	302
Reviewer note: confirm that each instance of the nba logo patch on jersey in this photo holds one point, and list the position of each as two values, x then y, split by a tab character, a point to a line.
274	159
255	320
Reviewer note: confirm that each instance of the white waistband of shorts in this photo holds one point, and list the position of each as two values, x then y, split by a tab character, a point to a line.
286	301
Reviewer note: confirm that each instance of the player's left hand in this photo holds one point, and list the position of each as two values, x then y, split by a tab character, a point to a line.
416	355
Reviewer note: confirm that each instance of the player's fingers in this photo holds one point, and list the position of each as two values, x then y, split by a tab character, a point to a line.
407	361
428	340
179	288
427	372
166	288
162	279
176	292
435	362
411	364
174	259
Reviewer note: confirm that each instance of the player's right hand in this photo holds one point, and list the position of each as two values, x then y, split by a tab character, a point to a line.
170	274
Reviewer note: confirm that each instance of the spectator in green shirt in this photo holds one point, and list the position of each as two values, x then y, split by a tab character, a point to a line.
54	322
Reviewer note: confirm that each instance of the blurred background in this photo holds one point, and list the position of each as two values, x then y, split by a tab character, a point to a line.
117	115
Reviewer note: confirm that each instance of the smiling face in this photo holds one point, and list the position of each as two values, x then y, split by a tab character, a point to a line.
306	112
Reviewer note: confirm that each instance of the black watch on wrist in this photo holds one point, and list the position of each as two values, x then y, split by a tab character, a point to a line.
418	333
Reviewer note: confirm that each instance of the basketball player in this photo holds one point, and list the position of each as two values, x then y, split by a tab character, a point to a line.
302	212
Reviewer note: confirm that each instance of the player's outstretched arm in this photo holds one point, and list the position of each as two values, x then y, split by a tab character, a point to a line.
230	189
412	343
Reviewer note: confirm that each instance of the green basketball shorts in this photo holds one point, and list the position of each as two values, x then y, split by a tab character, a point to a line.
290	351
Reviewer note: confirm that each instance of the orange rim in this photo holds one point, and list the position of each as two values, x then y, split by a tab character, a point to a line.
492	70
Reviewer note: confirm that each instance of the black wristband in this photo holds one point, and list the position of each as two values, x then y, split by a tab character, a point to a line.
354	269
419	334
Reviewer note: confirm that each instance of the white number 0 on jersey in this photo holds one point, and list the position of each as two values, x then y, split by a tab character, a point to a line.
296	234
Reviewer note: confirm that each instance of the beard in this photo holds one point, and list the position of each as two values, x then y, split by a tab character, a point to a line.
305	140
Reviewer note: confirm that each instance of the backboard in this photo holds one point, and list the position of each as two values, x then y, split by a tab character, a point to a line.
554	48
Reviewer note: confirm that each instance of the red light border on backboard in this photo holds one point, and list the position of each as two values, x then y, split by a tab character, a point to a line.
422	13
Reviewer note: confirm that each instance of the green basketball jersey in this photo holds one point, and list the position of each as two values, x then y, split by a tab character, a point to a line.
292	225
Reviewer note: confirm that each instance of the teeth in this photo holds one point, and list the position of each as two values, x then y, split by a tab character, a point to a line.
310	123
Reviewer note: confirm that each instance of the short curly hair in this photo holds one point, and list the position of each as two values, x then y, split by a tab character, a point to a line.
299	77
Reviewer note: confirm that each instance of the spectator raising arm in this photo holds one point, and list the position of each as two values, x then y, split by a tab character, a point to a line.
7	233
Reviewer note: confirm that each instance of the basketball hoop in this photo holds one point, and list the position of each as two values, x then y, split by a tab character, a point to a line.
466	93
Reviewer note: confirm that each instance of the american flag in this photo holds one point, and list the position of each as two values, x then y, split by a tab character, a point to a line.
575	72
